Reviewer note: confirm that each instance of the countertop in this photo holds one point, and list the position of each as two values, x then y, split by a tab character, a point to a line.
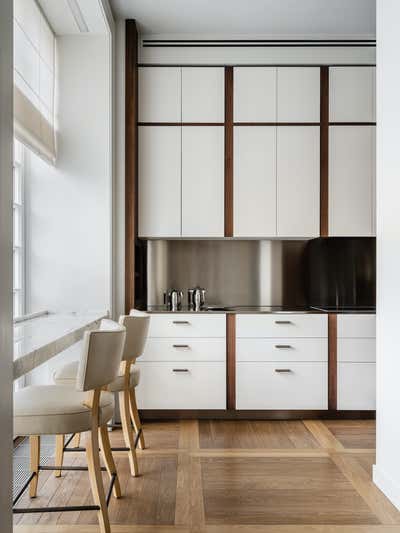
265	309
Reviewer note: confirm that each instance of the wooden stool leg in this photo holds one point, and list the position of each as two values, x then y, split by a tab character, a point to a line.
34	444
135	417
96	482
59	454
109	459
76	441
127	431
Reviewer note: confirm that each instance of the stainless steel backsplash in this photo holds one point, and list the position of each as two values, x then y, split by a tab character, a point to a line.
232	272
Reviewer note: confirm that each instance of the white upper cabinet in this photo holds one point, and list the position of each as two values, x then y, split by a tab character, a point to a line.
203	94
352	94
352	181
298	96
203	181
254	94
159	181
159	94
254	181
298	181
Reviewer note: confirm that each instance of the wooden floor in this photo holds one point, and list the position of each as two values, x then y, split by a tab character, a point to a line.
232	476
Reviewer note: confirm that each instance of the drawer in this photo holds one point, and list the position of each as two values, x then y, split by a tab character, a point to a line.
259	386
362	326
281	325
356	350
200	386
185	349
356	387
187	325
281	349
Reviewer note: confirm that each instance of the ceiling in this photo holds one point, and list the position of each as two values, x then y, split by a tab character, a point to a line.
345	18
60	15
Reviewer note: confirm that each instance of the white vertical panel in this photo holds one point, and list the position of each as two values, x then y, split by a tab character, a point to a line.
352	94
203	94
254	94
356	386
298	94
159	94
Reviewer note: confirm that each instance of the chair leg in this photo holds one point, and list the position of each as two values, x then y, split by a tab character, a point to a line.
109	459
76	441
127	431
96	482
135	417
59	454
34	444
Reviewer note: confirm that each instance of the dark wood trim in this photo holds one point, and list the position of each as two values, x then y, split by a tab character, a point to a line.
228	152
251	65
230	361
131	159
332	361
324	152
181	123
221	414
352	123
276	123
334	41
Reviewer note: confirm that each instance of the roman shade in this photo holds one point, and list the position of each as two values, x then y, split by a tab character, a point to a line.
34	80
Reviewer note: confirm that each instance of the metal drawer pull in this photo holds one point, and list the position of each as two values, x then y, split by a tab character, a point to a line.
180	322
282	322
180	370
180	346
282	346
282	370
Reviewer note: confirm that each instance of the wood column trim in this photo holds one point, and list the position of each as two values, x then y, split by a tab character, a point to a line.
324	152
131	158
228	152
332	362
231	361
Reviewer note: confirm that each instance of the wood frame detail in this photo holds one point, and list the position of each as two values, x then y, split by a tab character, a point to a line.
324	152
231	361
332	361
228	232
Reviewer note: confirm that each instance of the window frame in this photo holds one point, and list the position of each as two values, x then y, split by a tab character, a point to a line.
19	248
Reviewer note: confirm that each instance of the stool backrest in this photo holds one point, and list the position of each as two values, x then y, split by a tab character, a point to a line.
101	356
137	328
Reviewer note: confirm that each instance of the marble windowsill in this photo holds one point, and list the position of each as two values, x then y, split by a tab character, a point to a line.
39	339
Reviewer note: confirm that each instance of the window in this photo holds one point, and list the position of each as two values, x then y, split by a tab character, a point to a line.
19	233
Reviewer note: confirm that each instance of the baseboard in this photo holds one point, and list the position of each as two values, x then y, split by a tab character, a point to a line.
232	414
387	485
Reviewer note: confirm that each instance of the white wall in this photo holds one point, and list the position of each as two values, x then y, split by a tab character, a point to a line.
6	128
387	468
69	220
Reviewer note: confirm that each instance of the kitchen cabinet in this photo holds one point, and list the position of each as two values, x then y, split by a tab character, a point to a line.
298	94
159	181
203	181
159	94
352	94
254	94
254	172
352	181
298	181
356	372
203	94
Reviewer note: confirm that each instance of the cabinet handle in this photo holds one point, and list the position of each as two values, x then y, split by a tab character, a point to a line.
282	322
282	370
282	346
180	322
180	346
180	370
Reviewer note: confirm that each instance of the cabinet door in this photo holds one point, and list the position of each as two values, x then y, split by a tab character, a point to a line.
351	181
254	94
298	94
159	181
352	94
203	181
203	94
254	181
356	386
298	181
159	94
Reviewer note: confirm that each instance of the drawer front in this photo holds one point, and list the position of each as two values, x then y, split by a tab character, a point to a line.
282	349
356	386
182	385
185	349
361	326
281	325
356	350
259	386
187	325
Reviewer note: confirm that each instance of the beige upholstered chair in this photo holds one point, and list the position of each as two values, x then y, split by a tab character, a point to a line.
84	406
137	325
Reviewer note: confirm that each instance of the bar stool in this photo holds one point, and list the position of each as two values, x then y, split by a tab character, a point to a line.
53	410
136	325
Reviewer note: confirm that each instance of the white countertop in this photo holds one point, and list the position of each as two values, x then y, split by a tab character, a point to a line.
39	339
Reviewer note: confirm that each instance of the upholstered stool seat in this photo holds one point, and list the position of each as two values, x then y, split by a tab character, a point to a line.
66	375
53	410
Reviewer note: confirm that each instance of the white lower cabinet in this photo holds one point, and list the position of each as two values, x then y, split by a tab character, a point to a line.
356	386
280	385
